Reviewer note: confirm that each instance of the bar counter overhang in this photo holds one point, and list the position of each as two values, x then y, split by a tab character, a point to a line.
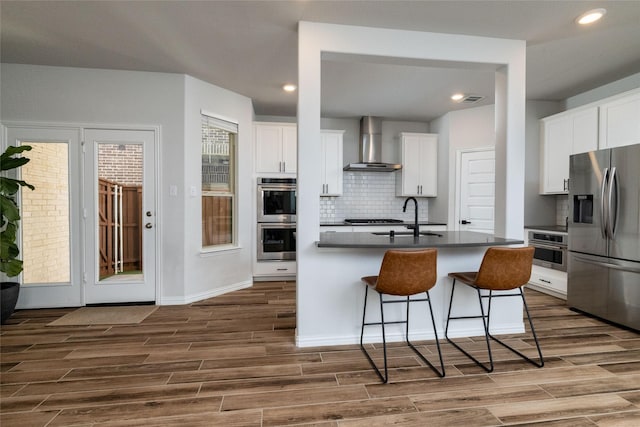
334	297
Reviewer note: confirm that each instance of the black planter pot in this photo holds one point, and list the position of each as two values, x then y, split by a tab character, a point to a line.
9	297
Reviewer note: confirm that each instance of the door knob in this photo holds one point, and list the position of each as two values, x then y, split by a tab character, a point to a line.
148	225
464	221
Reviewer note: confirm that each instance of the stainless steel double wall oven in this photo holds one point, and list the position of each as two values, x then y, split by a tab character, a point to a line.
276	233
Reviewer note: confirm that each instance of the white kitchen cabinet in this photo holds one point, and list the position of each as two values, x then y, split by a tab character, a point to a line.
419	157
276	145
571	132
548	281
271	270
331	141
620	120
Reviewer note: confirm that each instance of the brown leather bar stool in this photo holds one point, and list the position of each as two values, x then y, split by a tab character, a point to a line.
402	273
502	269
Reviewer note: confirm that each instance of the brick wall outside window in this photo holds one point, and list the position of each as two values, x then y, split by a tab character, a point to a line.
120	163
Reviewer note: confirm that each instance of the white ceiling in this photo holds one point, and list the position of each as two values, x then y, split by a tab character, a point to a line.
250	47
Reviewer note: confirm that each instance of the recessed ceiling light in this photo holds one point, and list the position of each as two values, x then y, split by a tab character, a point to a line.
289	87
591	16
457	96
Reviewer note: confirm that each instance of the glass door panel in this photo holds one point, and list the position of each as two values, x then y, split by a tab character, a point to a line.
120	194
51	217
46	230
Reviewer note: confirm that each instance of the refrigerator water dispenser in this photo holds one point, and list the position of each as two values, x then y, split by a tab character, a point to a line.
583	208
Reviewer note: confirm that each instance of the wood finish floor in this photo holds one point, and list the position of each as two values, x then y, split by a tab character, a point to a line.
232	361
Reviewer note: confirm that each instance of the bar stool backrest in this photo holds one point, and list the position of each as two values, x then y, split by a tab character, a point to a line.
407	272
505	268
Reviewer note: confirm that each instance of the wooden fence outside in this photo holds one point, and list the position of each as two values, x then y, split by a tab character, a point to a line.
131	227
217	227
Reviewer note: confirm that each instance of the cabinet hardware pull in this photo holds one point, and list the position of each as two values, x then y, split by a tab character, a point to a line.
545	281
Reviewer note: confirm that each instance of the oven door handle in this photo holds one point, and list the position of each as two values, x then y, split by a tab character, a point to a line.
281	187
538	245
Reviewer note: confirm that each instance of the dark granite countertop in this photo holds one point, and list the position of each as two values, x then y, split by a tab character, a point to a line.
553	228
341	223
441	239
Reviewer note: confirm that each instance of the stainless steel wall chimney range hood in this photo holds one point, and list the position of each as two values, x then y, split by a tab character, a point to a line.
371	148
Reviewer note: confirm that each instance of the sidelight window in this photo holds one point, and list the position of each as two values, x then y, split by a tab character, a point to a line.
219	138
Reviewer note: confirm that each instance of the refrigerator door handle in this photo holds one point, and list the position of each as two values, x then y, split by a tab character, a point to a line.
603	207
606	264
612	207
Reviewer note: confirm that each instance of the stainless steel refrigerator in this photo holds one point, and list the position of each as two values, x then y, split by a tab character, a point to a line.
604	234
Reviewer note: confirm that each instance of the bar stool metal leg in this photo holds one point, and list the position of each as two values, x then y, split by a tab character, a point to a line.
440	372
539	364
385	377
485	324
486	319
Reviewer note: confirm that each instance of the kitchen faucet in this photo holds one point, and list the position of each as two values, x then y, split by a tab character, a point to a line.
416	228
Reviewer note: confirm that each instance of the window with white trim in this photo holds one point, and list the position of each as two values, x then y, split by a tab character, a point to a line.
218	182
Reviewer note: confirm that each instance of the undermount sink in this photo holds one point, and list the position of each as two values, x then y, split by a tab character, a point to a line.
405	233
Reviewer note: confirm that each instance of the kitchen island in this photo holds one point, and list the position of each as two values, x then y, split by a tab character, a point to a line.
331	297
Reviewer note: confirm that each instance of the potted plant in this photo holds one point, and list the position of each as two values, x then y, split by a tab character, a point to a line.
10	265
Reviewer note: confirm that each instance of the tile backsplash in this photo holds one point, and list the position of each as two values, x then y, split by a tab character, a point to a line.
562	209
369	195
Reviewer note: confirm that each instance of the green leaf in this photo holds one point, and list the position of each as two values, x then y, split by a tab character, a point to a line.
9	233
11	267
8	250
8	186
8	162
13	149
13	162
9	209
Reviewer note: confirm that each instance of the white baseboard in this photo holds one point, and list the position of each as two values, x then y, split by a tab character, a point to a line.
399	337
188	299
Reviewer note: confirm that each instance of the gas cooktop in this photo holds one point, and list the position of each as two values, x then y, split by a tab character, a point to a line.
373	221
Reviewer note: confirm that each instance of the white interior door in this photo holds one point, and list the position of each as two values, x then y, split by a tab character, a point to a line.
476	191
49	232
120	216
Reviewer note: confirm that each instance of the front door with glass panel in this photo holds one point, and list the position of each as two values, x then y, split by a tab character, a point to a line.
50	226
120	215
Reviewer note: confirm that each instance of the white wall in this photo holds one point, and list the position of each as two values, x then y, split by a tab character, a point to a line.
604	91
60	95
538	209
458	130
210	274
439	207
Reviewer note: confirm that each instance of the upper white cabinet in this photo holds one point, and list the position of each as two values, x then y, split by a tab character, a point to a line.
276	145
564	134
419	157
331	141
620	121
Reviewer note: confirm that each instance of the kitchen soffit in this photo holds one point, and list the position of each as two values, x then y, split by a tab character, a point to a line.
383	84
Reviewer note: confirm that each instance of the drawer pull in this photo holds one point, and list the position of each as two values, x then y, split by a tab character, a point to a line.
545	281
